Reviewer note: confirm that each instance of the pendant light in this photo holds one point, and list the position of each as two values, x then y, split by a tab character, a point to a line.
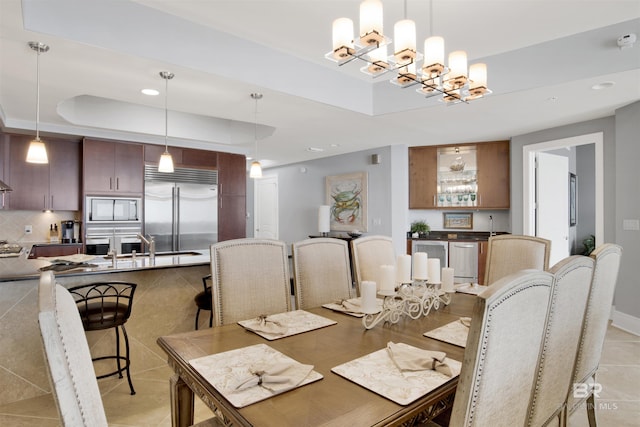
37	152
256	167
166	161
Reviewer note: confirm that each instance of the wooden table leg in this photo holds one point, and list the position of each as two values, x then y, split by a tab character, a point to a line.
181	403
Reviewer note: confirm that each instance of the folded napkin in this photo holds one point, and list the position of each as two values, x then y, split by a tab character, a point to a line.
466	321
414	359
276	377
350	305
263	324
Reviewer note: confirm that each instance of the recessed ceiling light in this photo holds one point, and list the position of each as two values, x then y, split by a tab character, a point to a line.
552	98
603	85
335	145
315	149
150	92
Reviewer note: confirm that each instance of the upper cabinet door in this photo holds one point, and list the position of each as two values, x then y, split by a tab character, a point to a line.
55	185
494	178
423	177
113	167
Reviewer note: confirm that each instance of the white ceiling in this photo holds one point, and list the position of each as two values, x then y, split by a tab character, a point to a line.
543	58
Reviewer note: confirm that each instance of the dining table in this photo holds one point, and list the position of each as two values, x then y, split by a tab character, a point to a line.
332	400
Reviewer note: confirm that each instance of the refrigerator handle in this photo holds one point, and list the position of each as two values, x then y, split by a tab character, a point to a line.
177	223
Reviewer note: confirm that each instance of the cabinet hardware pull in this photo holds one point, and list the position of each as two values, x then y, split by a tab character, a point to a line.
110	183
117	183
51	206
434	200
44	202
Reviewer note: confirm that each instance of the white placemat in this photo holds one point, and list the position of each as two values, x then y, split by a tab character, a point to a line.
377	372
470	288
296	322
225	370
453	333
338	307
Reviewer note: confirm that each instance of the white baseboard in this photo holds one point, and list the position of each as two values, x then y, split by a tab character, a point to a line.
626	322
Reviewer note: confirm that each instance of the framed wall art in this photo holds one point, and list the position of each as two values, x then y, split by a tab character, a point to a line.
460	220
347	197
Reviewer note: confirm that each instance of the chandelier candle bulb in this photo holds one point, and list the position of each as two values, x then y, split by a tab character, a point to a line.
447	279
403	269
434	270
387	276
371	23
342	38
433	57
420	266
404	35
369	303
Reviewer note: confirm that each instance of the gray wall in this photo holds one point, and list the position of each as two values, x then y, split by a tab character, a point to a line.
627	206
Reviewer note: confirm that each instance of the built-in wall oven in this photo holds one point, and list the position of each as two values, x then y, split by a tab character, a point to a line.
434	249
106	239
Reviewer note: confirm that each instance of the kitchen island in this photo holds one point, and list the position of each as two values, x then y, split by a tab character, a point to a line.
162	305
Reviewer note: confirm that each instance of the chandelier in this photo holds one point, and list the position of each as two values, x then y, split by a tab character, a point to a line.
408	67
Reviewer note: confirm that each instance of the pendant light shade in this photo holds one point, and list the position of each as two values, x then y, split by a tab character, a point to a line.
256	167
37	152
166	161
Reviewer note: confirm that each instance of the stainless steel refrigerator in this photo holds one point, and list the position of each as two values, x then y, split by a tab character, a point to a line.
181	209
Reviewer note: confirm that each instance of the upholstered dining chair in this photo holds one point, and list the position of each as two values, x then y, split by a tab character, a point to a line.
596	320
369	253
250	277
321	271
71	373
572	281
508	253
499	362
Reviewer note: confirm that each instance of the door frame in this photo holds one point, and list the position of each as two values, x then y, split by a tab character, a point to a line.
528	178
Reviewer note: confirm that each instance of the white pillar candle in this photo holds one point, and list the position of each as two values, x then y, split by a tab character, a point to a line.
368	302
420	266
447	279
403	269
434	270
387	275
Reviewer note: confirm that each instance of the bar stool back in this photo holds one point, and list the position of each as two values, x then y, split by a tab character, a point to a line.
106	305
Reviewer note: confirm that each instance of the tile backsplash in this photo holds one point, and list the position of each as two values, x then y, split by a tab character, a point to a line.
12	224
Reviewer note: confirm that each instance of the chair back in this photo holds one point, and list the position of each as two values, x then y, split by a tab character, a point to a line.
509	253
596	318
572	280
321	271
499	363
103	305
71	373
369	253
250	277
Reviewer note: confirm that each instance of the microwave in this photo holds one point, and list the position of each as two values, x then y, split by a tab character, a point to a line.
100	210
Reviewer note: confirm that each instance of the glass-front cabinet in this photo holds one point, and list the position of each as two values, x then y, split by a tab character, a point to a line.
465	176
457	177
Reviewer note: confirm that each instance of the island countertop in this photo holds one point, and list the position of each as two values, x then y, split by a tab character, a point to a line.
23	268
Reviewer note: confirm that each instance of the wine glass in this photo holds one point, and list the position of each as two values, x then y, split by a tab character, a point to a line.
473	199
466	199
459	199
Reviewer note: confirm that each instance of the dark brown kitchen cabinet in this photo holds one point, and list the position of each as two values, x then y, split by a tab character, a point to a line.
113	168
423	177
182	157
232	196
55	185
493	175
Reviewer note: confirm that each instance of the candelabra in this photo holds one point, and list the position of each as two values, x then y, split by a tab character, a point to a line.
414	299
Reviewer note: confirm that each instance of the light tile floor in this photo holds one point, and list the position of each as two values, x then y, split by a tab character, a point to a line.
618	405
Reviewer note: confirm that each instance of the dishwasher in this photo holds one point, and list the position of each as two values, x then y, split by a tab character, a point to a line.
463	258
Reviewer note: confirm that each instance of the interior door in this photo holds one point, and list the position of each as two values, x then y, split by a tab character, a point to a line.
266	208
552	207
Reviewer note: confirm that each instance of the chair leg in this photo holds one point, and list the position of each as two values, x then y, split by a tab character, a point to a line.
197	316
118	352
211	318
591	410
128	360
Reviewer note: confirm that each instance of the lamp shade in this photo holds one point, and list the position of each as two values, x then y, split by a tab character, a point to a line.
166	163
458	63
37	152
324	219
371	17
256	170
404	36
478	75
342	33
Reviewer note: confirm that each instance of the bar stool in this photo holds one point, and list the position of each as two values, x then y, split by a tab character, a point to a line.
203	301
105	305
